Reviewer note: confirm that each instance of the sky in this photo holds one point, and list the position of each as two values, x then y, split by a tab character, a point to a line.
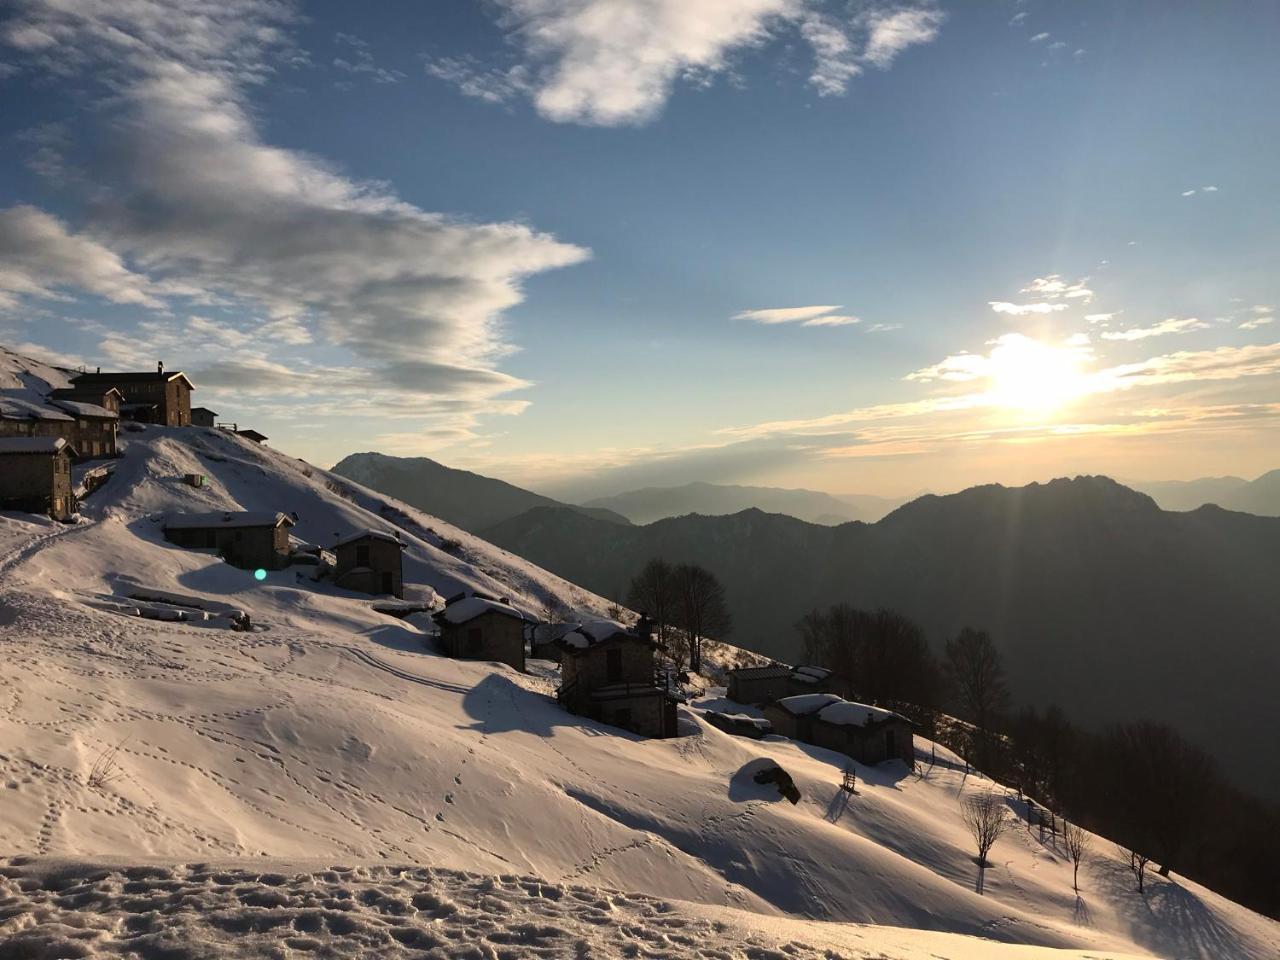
591	245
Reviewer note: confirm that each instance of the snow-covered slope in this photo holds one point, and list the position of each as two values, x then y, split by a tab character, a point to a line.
328	779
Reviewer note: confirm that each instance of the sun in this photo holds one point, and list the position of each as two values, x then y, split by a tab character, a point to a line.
1033	377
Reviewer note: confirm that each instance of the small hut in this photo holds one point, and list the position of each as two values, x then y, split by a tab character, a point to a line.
35	476
759	685
480	627
244	538
370	561
607	672
203	417
865	733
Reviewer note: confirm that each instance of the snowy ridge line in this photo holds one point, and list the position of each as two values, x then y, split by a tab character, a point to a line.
370	660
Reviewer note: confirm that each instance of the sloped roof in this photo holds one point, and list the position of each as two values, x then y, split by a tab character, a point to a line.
252	435
129	376
806	703
21	408
595	632
82	409
810	674
769	672
205	409
849	714
466	609
367	535
34	445
226	518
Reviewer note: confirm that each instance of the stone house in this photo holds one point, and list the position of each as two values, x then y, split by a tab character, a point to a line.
88	427
35	476
370	561
607	672
860	731
479	627
159	397
765	684
246	539
204	417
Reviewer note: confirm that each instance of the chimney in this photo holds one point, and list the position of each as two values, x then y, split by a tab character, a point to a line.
644	627
99	370
160	366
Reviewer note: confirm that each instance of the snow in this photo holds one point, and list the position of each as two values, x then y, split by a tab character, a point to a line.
19	407
82	409
808	702
327	784
808	674
468	608
367	534
45	445
849	714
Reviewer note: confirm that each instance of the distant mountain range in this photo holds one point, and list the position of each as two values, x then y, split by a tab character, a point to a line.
1260	496
1100	601
712	499
465	499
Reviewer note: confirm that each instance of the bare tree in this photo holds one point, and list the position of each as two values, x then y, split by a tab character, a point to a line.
701	610
1137	865
974	667
984	815
653	593
1076	839
552	608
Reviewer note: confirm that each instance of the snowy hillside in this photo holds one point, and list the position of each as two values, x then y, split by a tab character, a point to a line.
329	783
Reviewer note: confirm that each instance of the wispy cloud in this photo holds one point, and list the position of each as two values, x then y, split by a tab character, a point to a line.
616	62
1194	190
359	60
1054	287
1256	323
1023	309
1161	329
1040	38
815	316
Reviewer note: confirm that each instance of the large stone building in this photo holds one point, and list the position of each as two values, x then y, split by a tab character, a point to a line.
370	561
479	627
159	397
765	684
88	427
247	539
35	476
860	731
608	673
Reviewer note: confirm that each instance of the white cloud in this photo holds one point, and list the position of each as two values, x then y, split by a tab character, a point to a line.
40	257
883	327
1188	193
1023	309
615	62
198	204
1209	189
1256	323
775	315
1099	317
832	320
1040	38
1262	308
1163	328
1018	18
1053	287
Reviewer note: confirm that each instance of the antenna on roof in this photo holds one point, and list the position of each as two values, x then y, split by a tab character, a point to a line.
159	366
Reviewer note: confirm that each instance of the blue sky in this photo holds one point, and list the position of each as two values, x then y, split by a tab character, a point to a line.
541	239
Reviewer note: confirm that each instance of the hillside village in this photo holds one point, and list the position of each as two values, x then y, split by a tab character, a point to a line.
218	654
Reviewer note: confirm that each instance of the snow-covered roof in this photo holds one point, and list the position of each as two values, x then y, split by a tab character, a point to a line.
226	518
593	632
806	703
45	445
810	674
22	408
849	714
82	409
468	608
367	535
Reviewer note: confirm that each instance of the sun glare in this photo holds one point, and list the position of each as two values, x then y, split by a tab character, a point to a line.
1035	377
